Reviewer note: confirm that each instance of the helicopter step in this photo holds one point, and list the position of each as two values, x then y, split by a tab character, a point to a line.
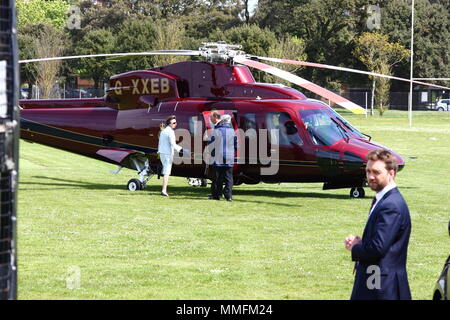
197	182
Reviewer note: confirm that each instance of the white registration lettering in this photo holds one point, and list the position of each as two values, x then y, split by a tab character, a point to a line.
118	84
144	86
154	85
165	85
135	86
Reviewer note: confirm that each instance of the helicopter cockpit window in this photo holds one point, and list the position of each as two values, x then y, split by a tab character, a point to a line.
287	129
322	129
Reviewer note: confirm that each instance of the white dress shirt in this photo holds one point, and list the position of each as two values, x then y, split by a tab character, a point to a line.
381	194
167	143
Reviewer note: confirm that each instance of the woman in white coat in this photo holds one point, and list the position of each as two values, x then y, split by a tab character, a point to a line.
166	148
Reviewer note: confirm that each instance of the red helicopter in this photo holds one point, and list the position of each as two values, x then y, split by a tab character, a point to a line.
283	136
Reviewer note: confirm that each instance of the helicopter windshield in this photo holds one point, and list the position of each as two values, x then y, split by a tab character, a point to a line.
321	127
347	124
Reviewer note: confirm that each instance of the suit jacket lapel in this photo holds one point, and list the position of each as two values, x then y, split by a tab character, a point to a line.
371	218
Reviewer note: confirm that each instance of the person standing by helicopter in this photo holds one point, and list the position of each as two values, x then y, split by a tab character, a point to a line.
166	147
224	146
215	119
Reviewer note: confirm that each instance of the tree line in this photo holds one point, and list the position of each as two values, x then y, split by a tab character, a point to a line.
371	35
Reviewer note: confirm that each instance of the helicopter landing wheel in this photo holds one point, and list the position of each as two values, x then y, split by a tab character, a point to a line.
197	182
357	193
134	184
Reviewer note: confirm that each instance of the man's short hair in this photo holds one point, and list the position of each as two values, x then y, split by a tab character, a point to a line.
215	115
386	156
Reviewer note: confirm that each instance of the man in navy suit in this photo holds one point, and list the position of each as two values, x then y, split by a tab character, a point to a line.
381	253
224	143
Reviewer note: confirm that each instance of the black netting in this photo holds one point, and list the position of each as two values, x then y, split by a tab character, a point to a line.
8	149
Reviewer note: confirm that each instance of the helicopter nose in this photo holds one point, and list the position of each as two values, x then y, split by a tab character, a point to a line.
400	161
361	148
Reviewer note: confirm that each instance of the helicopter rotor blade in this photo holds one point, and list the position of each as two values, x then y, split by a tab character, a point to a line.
149	53
327	66
341	101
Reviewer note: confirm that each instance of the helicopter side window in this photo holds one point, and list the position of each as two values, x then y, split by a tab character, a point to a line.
287	129
248	121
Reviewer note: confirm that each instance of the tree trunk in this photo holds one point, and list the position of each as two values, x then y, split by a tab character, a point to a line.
30	90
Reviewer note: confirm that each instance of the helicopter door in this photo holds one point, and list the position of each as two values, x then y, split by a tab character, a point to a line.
285	138
323	133
249	147
208	132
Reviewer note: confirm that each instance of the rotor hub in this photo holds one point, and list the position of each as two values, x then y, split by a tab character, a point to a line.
220	52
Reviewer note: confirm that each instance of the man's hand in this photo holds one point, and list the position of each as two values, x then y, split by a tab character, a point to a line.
350	241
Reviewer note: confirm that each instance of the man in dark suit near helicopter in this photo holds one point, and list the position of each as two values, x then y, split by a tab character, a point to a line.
215	119
381	253
224	145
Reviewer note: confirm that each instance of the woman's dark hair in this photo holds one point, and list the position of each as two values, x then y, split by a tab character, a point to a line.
169	119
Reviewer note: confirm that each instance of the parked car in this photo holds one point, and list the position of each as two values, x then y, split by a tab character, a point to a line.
443	105
441	289
24	93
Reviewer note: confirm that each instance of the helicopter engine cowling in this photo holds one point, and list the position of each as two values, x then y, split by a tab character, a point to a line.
141	89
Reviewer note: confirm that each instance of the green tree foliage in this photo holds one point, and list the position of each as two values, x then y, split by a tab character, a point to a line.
48	43
97	69
114	13
379	55
204	18
41	11
431	34
169	36
28	71
328	28
382	89
263	42
136	36
287	47
253	39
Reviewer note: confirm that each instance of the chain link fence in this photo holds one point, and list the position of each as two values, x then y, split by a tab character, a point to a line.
63	92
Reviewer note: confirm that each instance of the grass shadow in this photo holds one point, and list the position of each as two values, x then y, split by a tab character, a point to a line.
186	191
73	183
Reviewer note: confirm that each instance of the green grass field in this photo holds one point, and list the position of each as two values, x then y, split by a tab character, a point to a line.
281	241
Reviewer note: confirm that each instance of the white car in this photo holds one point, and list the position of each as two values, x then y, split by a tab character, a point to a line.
443	105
